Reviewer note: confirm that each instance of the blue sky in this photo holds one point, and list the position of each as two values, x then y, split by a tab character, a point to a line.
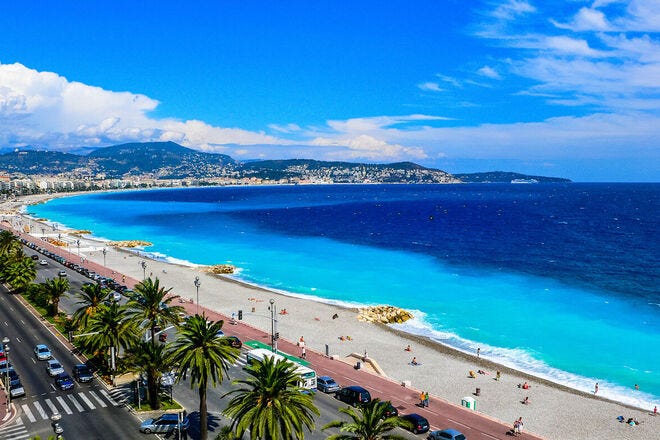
564	88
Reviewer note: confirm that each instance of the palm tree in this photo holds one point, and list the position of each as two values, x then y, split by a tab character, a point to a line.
369	422
19	271
153	360
227	433
91	300
53	290
8	243
110	326
207	355
270	403
154	309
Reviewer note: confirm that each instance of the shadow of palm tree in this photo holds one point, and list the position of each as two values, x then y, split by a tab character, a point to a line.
213	422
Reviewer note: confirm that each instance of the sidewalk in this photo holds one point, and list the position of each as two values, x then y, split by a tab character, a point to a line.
5	416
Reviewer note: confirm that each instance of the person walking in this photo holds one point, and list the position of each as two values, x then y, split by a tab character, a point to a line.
304	353
426	399
596	388
422	396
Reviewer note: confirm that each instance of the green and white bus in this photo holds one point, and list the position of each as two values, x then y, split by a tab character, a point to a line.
307	375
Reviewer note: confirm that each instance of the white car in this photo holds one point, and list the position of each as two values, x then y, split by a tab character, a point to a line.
42	352
43	263
54	368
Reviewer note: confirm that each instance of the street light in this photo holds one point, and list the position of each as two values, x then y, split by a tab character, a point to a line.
273	326
144	269
78	243
197	284
5	347
57	428
105	251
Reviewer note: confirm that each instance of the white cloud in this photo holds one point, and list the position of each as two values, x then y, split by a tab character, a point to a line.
288	128
44	108
587	19
430	87
512	9
489	72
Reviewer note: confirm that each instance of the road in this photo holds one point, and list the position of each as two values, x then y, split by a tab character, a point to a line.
88	411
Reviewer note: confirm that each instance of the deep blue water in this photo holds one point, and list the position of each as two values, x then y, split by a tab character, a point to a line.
559	280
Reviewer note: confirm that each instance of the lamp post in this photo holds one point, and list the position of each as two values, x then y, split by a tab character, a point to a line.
273	327
78	243
144	269
57	428
5	347
197	284
105	251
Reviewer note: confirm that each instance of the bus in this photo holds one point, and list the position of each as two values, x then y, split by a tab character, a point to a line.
307	375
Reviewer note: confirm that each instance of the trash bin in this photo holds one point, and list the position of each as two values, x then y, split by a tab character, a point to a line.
477	392
469	403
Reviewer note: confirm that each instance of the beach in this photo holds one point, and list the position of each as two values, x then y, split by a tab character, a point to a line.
555	412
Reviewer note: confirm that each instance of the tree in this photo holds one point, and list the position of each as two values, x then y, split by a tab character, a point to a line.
19	271
270	402
91	300
153	361
368	422
8	243
53	290
154	309
207	356
111	327
227	433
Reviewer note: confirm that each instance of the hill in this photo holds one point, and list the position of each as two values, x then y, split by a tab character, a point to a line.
506	177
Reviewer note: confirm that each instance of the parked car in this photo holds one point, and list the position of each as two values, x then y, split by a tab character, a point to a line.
390	410
326	384
234	341
62	273
16	388
418	424
82	373
353	395
166	423
54	367
64	382
42	352
446	434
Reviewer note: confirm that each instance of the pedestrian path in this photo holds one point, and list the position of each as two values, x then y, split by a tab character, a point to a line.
15	431
67	404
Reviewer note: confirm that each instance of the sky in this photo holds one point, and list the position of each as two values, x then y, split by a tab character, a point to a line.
557	88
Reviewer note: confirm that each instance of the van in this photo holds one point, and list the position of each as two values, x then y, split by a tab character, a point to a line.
353	395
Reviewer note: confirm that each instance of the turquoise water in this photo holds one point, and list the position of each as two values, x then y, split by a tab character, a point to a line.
567	332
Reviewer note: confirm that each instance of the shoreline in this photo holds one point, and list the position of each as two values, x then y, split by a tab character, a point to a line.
301	305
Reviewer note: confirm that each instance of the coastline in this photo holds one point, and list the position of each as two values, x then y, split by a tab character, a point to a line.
591	416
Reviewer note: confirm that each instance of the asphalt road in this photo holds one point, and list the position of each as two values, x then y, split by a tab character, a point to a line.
88	410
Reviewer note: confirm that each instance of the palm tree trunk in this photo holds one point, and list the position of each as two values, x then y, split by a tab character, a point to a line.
203	415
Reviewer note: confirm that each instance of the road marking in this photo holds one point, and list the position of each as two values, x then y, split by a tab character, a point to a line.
488	435
75	403
41	410
23	322
64	405
28	413
458	423
18	339
107	396
98	399
52	406
86	400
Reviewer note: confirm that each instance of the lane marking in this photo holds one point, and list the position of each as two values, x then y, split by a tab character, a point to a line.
75	403
63	404
28	413
41	410
87	401
110	399
98	399
52	406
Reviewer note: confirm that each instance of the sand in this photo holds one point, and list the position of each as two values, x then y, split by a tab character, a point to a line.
555	412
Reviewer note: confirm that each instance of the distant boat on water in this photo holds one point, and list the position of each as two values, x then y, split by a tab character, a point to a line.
524	181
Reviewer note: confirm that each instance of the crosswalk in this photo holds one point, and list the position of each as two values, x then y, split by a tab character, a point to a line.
15	431
75	402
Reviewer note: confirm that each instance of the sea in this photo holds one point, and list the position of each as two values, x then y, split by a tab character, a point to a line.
557	280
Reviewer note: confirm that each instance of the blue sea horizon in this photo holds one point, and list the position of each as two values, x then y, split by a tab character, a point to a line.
556	280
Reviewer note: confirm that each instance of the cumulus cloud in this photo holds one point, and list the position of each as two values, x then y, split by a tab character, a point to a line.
44	108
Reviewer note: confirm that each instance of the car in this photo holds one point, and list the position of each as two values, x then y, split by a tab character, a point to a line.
61	273
115	296
446	434
234	341
34	256
42	352
390	410
16	388
220	334
54	368
64	382
166	424
326	384
82	373
418	424
43	263
353	395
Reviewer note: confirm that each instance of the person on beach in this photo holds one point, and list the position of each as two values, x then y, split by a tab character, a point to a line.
498	375
408	348
596	388
414	361
525	401
655	410
478	351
